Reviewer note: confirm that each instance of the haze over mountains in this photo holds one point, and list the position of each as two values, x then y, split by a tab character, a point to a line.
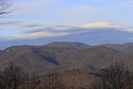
57	56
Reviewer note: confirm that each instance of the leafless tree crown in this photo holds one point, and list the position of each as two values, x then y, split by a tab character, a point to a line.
4	5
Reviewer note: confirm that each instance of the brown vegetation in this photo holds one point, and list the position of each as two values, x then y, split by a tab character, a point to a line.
115	76
64	68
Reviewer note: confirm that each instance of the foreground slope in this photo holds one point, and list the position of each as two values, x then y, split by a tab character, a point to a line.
45	59
30	57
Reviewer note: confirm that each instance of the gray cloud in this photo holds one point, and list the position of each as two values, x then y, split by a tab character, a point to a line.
32	25
11	23
64	30
36	30
59	28
43	35
5	38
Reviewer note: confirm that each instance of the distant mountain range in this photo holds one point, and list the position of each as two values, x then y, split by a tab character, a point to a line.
57	56
76	45
124	48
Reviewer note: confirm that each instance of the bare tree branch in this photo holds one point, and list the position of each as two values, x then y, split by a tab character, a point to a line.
4	5
115	76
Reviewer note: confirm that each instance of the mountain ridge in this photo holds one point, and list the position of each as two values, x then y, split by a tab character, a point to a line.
124	48
46	58
76	45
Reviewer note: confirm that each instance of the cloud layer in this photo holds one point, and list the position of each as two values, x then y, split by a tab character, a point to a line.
62	30
32	25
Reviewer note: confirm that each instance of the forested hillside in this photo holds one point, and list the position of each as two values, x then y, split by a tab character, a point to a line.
64	67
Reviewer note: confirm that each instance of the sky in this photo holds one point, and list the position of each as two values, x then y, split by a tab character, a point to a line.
38	22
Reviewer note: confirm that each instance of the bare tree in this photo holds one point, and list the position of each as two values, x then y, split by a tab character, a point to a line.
115	76
4	5
12	76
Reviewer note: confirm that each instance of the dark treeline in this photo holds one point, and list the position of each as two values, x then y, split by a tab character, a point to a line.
14	77
115	76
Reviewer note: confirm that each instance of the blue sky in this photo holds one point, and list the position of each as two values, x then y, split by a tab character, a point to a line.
89	21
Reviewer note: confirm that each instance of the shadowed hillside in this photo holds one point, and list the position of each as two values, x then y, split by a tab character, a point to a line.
42	59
